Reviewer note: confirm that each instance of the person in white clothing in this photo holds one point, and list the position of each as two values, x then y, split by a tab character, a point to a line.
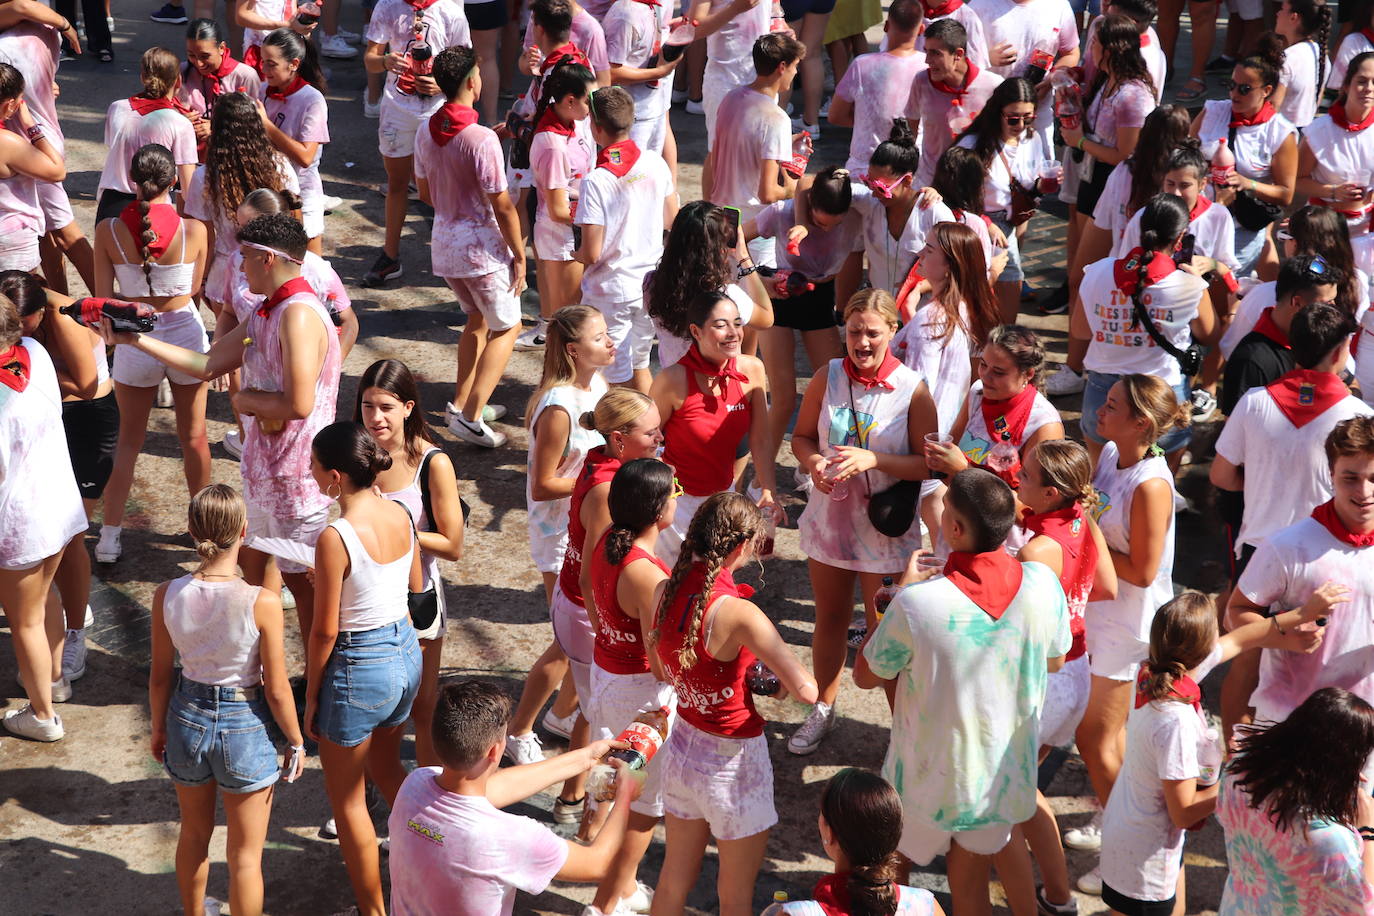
1305	26
1355	43
635	32
258	17
966	16
1021	31
877	87
1336	149
625	202
946	97
1211	225
296	118
30	158
730	28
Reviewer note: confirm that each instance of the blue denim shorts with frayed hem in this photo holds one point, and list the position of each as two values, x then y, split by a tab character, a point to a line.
369	683
1095	395
217	734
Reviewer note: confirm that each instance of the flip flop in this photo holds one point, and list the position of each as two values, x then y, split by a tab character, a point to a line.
1191	95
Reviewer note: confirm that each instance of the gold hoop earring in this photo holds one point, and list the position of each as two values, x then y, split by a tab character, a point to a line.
333	496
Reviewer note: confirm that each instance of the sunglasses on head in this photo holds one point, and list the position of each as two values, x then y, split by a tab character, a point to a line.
1242	88
1318	267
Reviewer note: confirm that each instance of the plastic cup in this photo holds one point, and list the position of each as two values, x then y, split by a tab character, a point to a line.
939	439
930	565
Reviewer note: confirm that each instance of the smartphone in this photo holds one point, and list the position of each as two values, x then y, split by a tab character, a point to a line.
1186	249
732	220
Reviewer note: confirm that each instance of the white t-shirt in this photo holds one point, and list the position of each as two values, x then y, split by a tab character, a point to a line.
1352	46
1286	474
630	209
1283	574
889	259
549	518
393	24
1025	24
1024	158
1110	212
823	252
730	49
1299	77
879	87
1142	850
945	363
466	240
935	108
127	131
458	855
634	33
1119	344
1213	229
750	128
1254	147
304	117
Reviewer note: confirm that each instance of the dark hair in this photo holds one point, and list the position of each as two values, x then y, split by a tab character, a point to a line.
205	30
1316	26
238	157
24	290
1356	62
555	17
1141	12
276	230
986	128
906	15
1318	229
702	305
11	83
1119	37
865	814
1165	129
1024	346
266	201
985	504
395	378
152	171
451	69
639	491
698	257
1267	59
347	448
831	191
1162	221
898	153
950	33
294	47
469	717
1182	635
1187	156
1297	276
1278	767
613	109
774	50
566	78
959	177
1316	331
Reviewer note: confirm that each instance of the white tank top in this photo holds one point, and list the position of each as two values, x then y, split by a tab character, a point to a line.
213	630
374	594
167	279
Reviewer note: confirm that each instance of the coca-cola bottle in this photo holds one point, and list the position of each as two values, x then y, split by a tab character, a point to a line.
777	21
761	681
959	118
1042	57
1223	164
645	735
802	147
124	316
882	598
1068	106
682	33
308	13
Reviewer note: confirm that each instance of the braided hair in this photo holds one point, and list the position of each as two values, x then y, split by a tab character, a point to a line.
1163	219
724	521
153	171
639	492
1315	19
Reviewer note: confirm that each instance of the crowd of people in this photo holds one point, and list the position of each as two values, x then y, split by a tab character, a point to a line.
1016	585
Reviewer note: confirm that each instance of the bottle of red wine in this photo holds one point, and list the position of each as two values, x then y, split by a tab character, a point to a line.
124	316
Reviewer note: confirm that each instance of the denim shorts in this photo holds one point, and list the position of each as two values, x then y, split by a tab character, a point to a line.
1095	395
1012	273
214	734
369	683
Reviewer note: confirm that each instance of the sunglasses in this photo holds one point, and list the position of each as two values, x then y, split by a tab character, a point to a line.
1318	267
1242	88
881	188
1018	119
677	492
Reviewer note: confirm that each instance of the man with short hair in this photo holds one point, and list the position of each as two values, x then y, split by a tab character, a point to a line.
877	87
952	90
969	653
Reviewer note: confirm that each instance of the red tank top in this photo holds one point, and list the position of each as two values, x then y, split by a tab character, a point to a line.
711	694
619	648
1069	529
599	468
702	435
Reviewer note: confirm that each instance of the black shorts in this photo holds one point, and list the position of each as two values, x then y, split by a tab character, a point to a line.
792	10
92	432
111	204
813	311
1090	191
1129	906
483	17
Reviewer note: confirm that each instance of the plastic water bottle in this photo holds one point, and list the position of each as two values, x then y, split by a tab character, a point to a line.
959	118
1223	164
1002	457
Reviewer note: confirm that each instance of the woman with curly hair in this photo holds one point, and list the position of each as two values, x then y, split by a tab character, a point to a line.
239	159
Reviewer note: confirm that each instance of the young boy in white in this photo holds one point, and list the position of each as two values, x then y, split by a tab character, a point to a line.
625	202
877	87
755	139
730	28
635	31
408	100
969	653
952	89
475	245
1329	549
453	851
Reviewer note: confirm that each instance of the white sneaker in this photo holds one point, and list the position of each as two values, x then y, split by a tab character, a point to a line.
213	907
107	549
1091	883
233	444
523	749
1065	381
562	727
812	732
164	393
61	690
478	433
25	724
74	655
532	338
638	902
331	203
288	600
565	812
351	37
335	47
89	620
490	413
329	830
1087	838
695	107
372	110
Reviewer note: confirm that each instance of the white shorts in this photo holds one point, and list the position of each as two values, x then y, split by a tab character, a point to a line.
19	251
301	529
670	539
1115	651
1247	9
181	327
312	216
612	703
57	206
553	241
547	552
650	133
396	129
921	842
488	295
572	628
632	331
726	782
1066	699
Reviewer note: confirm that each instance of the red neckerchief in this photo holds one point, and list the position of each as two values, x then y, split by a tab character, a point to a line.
1199	208
422	4
14	367
564	52
944	9
888	366
162	217
649	2
1326	515
957	91
990	580
1305	394
253	58
831	893
1268	328
288	289
1368	35
1068	528
449	121
1260	117
145	106
549	122
1144	39
1008	415
618	158
693	361
1125	270
1339	117
296	85
1184	689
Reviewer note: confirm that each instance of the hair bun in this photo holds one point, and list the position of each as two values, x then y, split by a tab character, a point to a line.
587	420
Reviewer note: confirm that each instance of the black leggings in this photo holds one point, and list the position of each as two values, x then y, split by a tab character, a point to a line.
97	29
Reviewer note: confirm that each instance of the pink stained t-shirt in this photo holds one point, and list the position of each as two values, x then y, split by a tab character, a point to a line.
587	35
32	50
195	89
126	131
634	35
459	855
443	25
466	240
304	117
879	88
559	163
750	127
822	253
935	107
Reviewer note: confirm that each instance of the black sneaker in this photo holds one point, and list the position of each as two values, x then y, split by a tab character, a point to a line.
1057	302
1220	64
172	15
383	269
